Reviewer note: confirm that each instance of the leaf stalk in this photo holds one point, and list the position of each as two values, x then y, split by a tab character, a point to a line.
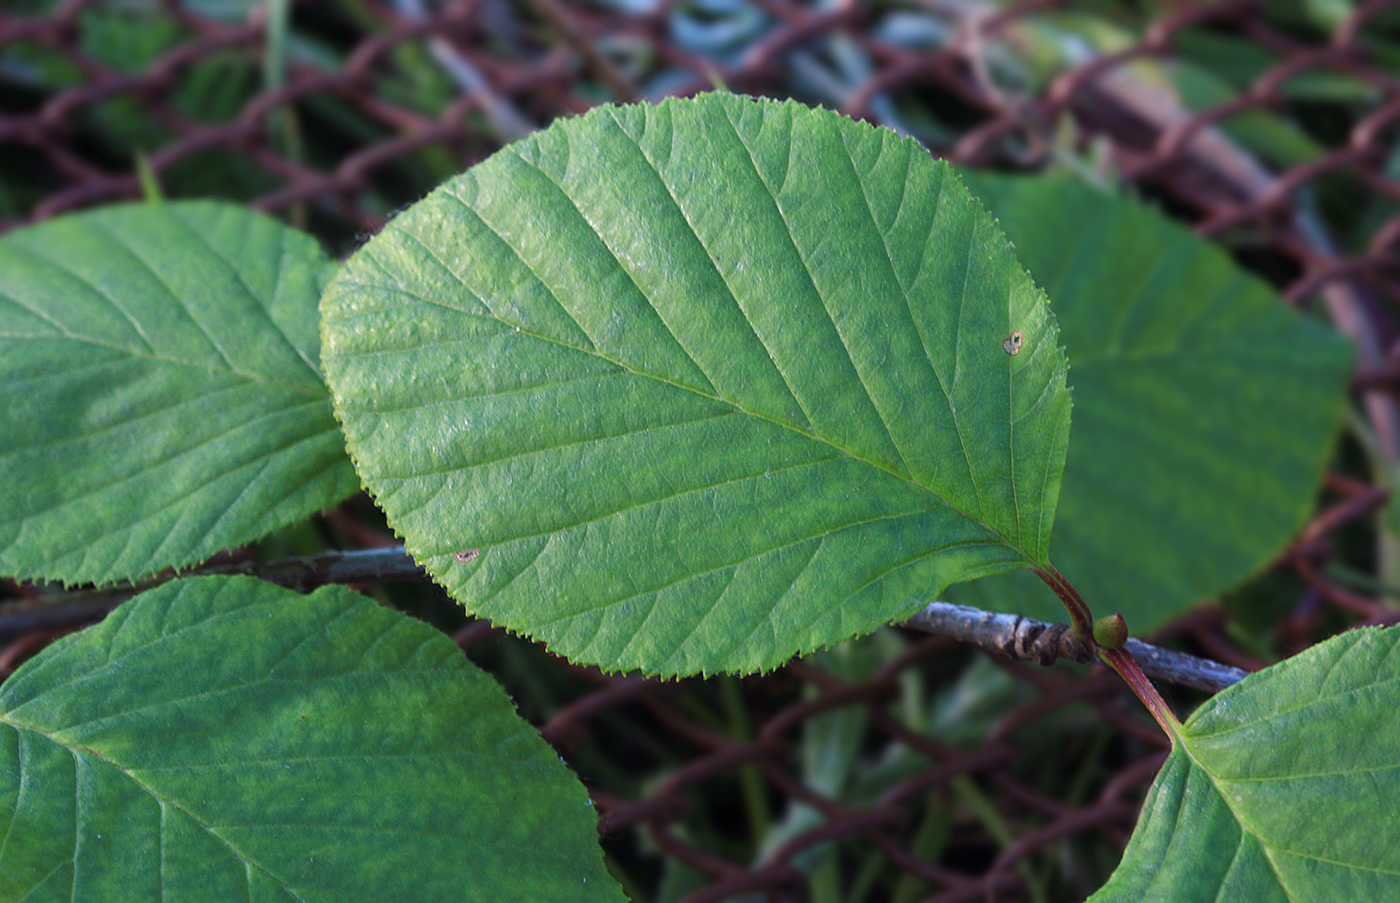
1119	659
1122	661
1080	617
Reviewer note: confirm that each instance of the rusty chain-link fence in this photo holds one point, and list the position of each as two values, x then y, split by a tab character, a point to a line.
900	767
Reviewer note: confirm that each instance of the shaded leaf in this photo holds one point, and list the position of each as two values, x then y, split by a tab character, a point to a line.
162	398
1205	410
1280	787
706	384
222	738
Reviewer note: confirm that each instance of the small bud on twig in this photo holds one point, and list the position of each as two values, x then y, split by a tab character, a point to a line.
1111	632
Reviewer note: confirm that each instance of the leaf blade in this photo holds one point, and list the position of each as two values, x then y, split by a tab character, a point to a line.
1277	786
326	750
742	431
163	398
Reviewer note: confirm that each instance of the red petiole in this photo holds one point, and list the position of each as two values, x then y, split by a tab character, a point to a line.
1119	659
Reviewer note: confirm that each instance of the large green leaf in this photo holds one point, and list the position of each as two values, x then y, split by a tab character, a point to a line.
221	738
160	395
1205	410
1283	787
700	386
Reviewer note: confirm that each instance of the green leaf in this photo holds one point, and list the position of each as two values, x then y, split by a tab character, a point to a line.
221	738
701	386
162	398
1205	410
1280	788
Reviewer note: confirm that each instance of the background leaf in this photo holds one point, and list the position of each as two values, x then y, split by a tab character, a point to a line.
1279	787
323	748
706	384
1205	410
162	398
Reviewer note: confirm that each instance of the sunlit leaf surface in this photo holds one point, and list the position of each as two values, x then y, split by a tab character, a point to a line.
701	386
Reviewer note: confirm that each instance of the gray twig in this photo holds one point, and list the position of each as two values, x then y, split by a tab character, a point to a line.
1030	640
59	610
1011	635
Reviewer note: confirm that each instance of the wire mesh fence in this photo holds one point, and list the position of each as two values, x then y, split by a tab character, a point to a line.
899	767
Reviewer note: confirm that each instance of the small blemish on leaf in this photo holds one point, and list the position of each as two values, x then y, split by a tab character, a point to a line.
466	555
1012	345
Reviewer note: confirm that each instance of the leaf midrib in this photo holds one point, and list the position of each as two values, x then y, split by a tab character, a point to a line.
161	801
735	406
175	298
1253	832
522	329
317	389
793	246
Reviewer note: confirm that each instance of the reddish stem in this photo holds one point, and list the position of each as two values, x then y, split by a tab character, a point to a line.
1122	661
1080	617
